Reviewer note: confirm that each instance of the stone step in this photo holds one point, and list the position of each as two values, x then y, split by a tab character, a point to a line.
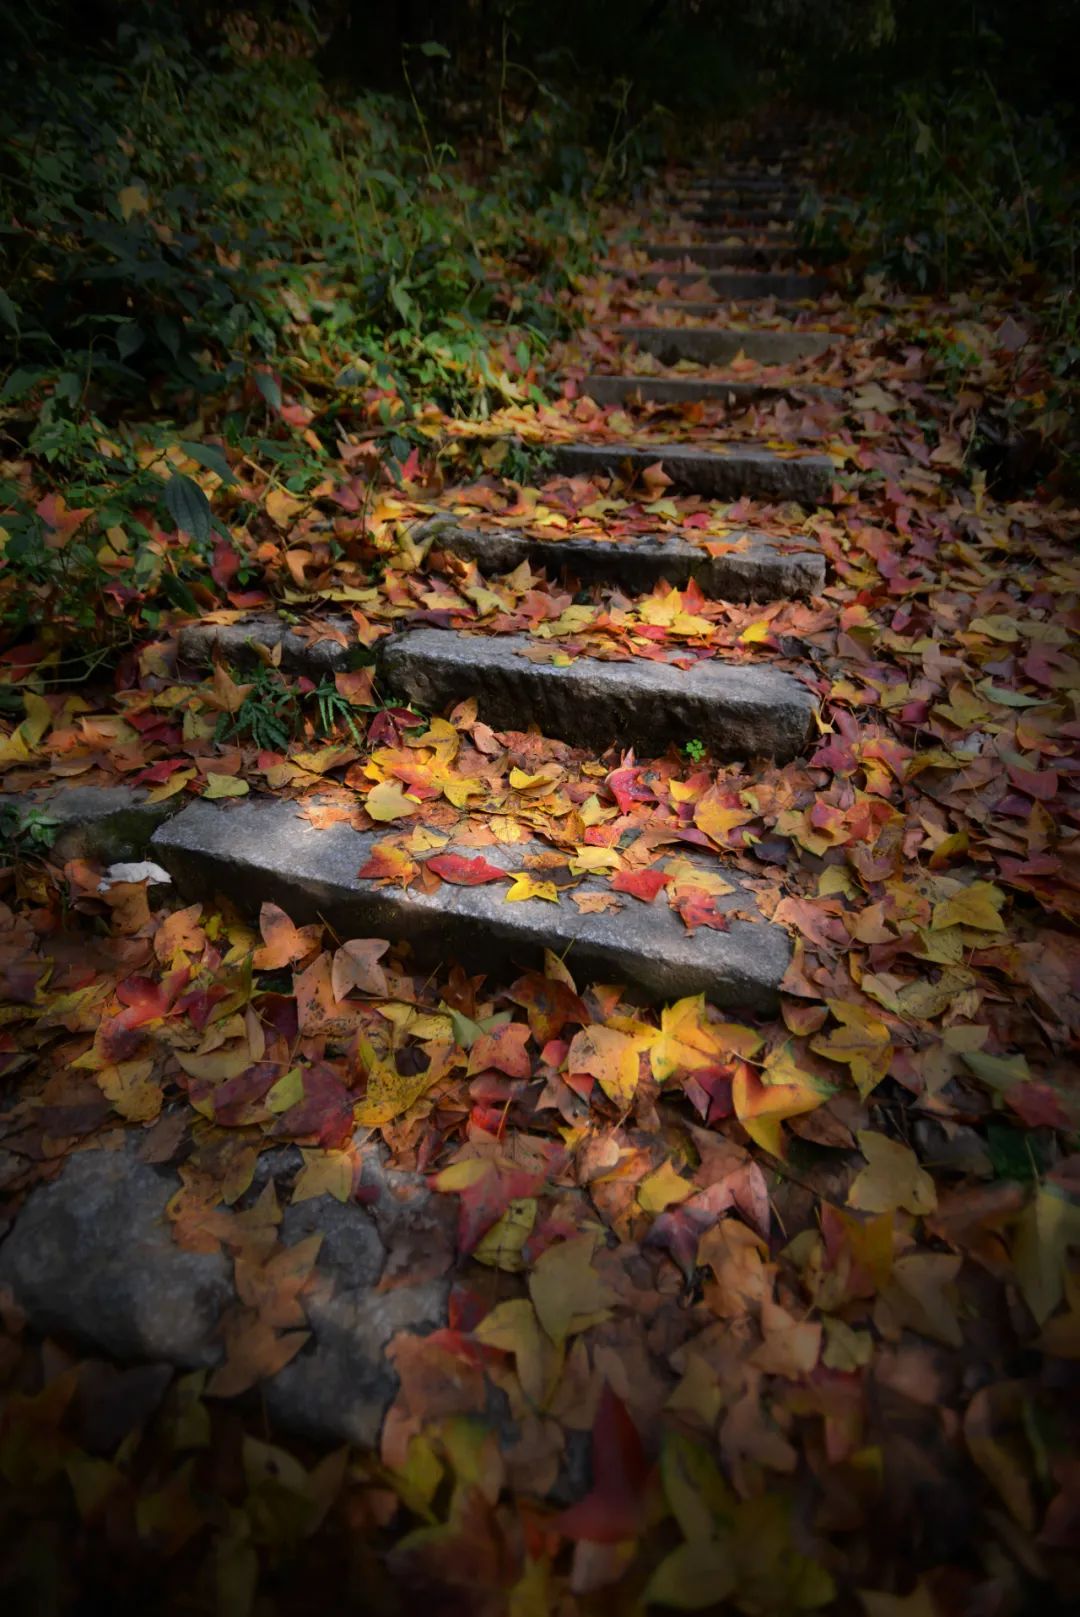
719	345
740	711
736	199
776	204
745	284
764	569
736	213
262	850
692	389
736	180
726	473
108	824
713	255
330	650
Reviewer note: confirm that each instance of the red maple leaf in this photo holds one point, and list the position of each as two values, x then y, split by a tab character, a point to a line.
454	867
643	884
698	908
614	1507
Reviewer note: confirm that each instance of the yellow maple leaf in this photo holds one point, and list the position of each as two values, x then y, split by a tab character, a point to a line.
324	1173
892	1178
390	1093
976	906
663	1188
282	508
567	1293
609	1056
862	1043
688	1040
526	886
132	200
224	786
388	801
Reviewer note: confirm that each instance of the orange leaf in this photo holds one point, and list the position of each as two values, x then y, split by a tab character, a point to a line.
356	965
282	941
763	1101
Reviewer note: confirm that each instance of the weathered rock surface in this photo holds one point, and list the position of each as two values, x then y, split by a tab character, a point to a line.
722	474
763	569
721	253
91	1256
736	212
687	389
735	184
330	651
104	823
707	309
748	284
719	345
740	711
262	849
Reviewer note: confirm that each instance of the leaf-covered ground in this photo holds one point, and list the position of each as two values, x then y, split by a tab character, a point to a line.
785	1315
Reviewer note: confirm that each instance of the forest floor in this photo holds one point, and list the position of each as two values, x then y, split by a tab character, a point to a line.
331	1275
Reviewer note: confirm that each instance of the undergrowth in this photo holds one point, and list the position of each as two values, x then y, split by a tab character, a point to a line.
949	187
207	249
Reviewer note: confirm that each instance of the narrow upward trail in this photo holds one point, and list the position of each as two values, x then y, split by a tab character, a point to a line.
618	1301
737	702
663	909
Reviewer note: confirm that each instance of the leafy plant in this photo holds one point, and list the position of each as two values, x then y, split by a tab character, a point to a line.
695	750
25	831
269	716
334	711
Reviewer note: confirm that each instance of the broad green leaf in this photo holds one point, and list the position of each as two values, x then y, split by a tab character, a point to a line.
188	507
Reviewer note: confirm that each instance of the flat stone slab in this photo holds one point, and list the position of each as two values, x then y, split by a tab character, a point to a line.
261	849
739	710
691	389
746	285
744	470
719	345
735	212
718	255
104	823
91	1256
237	643
739	185
763	570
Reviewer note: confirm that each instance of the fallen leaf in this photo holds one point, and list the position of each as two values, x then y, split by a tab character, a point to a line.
892	1178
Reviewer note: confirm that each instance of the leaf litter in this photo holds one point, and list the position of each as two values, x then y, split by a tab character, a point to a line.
784	1315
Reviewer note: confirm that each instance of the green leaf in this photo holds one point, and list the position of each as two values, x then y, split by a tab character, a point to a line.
269	389
431	47
188	507
20	382
129	338
1006	698
8	311
211	457
1000	1072
178	593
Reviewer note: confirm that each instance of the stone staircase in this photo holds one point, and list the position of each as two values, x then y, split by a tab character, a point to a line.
264	849
91	1254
